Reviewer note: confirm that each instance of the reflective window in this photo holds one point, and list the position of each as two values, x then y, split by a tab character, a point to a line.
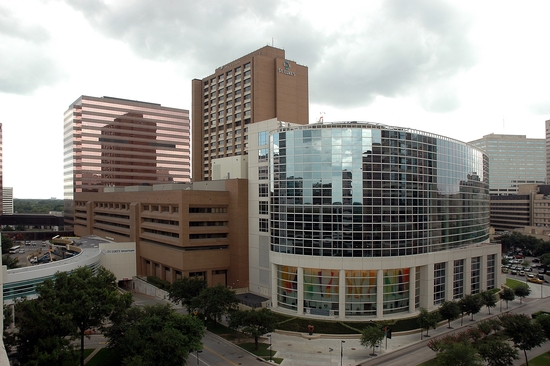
439	283
287	285
361	293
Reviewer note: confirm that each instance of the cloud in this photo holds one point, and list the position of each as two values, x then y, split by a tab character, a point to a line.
25	64
392	49
407	48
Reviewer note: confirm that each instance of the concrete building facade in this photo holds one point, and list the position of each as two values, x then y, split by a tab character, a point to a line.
530	207
180	230
514	160
7	200
259	86
112	142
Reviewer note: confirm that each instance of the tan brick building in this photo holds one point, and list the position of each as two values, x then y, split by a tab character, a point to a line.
259	86
180	230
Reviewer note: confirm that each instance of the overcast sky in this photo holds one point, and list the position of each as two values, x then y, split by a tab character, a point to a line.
461	69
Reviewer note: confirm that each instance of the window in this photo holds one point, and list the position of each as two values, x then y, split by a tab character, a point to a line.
458	280
262	155
439	282
262	172
263	190
263	208
263	138
264	226
246	73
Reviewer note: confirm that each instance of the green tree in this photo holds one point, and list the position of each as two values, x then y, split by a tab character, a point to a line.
427	320
449	310
458	354
524	332
489	299
544	321
472	304
545	259
507	294
497	352
522	290
253	323
82	300
7	243
371	336
154	335
185	289
44	334
10	262
215	301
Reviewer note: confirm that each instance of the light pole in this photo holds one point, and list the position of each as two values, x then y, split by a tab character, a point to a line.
269	335
198	351
330	351
341	352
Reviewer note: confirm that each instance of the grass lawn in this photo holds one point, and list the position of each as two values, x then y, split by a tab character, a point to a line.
512	283
102	358
262	351
86	354
542	360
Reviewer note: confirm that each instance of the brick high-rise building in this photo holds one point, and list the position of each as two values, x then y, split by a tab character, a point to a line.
259	86
112	142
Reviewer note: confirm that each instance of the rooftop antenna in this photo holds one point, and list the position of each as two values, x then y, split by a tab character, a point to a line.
320	120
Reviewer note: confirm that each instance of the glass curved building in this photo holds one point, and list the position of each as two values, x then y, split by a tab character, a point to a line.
369	220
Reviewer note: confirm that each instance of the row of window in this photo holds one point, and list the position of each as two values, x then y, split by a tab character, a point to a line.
459	276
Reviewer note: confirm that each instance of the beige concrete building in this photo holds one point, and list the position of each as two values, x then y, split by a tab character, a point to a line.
259	86
529	208
180	230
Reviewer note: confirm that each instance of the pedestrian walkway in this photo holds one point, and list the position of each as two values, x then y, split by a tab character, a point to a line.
299	350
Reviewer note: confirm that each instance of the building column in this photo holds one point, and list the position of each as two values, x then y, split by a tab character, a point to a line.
300	291
412	289
467	276
449	279
380	294
342	294
274	286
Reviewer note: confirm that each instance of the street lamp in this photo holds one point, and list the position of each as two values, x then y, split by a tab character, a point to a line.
269	335
198	351
341	352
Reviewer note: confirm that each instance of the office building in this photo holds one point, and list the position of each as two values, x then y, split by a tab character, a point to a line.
514	160
547	125
373	221
259	86
112	142
179	230
7	200
530	207
1	172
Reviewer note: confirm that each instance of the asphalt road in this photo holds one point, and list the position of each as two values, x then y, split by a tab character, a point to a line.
418	352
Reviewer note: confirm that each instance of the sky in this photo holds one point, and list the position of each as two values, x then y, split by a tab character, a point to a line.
461	69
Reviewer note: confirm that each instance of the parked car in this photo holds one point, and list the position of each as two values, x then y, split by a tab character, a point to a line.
522	273
514	272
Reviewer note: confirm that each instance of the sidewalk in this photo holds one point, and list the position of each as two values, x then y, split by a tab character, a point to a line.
297	350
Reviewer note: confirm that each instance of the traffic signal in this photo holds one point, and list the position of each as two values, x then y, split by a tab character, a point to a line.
388	333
